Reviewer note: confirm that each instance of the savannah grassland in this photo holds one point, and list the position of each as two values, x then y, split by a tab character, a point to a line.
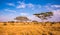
29	28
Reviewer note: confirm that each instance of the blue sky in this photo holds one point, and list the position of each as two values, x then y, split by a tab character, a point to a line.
9	9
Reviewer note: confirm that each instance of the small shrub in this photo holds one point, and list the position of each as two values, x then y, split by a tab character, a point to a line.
4	23
44	34
55	29
50	33
52	22
11	22
35	22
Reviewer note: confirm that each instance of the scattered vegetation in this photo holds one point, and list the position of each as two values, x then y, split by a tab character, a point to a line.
35	22
50	33
4	23
30	28
55	29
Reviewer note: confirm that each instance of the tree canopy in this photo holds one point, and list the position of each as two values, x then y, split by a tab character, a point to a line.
45	15
21	18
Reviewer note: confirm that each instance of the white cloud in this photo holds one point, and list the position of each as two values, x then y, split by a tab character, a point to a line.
56	12
5	18
24	14
21	5
57	6
32	17
30	5
27	5
8	10
10	4
48	8
20	1
56	16
52	7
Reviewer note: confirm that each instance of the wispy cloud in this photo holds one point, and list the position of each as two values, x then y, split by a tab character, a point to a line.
57	6
21	5
8	10
56	16
11	4
5	18
52	7
29	5
24	14
32	17
56	12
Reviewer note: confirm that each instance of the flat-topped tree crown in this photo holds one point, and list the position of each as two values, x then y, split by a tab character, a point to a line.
21	18
44	15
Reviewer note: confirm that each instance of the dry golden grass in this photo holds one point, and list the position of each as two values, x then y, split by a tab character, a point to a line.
30	28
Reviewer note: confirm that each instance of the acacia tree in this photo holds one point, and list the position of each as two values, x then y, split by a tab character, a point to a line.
44	16
21	18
